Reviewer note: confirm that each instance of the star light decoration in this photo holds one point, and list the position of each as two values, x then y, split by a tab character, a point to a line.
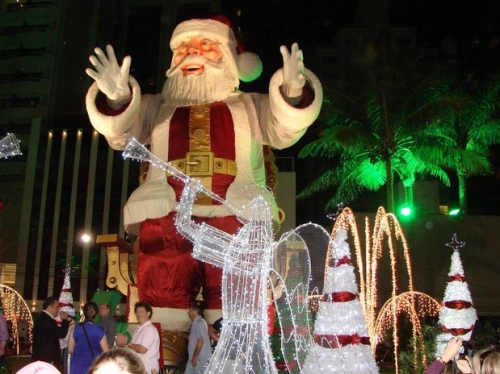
246	259
455	244
457	316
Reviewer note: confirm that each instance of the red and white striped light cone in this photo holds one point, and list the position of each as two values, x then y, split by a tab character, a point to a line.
457	316
341	340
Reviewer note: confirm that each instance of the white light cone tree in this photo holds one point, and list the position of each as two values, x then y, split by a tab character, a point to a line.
457	316
341	340
66	302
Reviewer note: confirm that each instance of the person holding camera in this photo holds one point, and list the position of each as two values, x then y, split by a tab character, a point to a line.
449	354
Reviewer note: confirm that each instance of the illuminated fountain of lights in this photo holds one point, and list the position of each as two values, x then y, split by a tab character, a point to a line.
387	233
16	310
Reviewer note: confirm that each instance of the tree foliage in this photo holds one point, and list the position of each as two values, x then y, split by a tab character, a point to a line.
392	120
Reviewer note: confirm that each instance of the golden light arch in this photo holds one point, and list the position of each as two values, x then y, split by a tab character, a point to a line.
18	313
386	236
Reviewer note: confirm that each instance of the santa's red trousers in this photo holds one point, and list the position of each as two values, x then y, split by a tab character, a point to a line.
168	275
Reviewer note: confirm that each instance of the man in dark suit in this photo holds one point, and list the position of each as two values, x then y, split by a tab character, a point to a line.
46	333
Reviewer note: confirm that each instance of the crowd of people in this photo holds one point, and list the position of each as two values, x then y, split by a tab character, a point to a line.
97	348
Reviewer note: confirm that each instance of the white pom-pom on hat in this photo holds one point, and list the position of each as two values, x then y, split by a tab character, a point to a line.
220	29
249	66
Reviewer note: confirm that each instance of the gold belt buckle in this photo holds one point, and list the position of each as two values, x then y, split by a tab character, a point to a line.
200	163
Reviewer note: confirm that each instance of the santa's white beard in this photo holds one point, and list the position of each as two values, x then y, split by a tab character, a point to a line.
215	84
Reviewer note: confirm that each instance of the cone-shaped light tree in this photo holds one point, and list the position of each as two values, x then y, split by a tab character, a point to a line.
341	340
457	316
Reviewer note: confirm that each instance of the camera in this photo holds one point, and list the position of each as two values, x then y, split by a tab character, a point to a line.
464	349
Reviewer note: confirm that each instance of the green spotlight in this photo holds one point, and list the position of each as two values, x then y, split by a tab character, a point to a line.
405	211
454	212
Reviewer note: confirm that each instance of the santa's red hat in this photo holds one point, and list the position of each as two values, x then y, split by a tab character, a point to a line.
220	29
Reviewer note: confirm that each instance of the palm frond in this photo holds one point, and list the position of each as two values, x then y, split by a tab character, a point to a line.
320	148
481	137
468	162
374	113
429	111
411	165
323	182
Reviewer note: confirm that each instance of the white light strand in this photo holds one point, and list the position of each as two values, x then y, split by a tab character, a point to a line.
386	235
9	146
457	316
246	259
341	340
16	311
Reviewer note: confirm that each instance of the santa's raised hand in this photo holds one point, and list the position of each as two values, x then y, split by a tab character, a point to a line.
293	71
111	78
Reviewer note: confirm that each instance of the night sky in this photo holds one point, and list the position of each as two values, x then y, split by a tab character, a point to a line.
465	30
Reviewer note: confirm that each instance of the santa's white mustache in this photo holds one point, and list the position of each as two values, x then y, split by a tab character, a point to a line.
194	60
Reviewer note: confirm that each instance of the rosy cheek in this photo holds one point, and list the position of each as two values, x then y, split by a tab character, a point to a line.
212	55
178	58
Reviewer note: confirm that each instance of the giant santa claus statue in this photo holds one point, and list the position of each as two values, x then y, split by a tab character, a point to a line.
203	125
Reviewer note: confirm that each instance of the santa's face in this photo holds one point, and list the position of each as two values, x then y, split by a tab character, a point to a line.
207	48
200	73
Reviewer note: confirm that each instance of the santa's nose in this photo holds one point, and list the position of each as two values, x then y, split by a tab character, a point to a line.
193	51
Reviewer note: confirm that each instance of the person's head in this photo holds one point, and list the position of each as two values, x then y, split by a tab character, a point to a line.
90	310
38	367
104	310
486	361
143	312
51	306
195	310
117	361
208	62
217	325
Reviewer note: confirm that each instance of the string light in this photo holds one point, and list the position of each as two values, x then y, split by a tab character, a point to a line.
386	235
341	340
246	259
16	311
457	316
9	146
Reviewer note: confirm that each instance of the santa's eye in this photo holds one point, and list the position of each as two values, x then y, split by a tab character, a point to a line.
182	48
206	44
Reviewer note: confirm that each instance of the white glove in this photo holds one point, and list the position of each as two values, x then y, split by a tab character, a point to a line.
111	79
293	71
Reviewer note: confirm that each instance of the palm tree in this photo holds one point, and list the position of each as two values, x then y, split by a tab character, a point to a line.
390	123
474	131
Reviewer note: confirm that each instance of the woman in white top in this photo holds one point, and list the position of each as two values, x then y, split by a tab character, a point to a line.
145	340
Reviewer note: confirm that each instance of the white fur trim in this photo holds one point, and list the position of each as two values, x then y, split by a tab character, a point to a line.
212	315
172	318
112	126
248	65
178	319
208	28
153	199
287	114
